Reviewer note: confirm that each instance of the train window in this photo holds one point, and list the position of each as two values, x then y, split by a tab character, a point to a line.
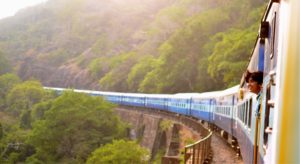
242	111
226	108
229	109
245	112
250	113
272	42
267	114
239	112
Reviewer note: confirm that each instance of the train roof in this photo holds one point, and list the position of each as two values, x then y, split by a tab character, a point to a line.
229	91
197	95
205	95
147	95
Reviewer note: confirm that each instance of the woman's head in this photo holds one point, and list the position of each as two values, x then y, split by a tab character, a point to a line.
254	81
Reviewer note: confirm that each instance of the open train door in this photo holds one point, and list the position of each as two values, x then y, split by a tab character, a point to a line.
267	63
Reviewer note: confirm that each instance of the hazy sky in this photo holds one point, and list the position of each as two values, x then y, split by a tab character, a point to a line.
10	7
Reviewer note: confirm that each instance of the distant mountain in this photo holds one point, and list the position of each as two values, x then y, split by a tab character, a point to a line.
132	45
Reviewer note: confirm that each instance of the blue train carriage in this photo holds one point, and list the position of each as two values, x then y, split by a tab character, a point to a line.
224	109
203	104
244	123
267	63
59	91
133	99
180	103
157	101
245	126
113	97
244	113
89	92
252	129
55	89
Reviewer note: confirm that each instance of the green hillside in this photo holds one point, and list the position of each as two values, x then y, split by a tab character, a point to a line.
153	46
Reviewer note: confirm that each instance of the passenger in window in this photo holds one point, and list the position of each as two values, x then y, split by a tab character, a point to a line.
254	81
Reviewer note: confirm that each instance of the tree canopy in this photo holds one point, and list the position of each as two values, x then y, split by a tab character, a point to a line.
73	127
120	152
23	96
5	65
37	127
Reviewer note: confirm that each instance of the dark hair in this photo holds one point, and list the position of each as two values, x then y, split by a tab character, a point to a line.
255	76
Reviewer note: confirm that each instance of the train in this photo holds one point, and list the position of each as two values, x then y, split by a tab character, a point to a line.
274	138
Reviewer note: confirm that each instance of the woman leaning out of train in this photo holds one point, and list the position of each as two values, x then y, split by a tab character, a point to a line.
255	81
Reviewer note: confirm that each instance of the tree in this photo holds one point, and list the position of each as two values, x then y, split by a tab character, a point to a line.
12	146
1	131
116	79
229	60
25	121
7	82
139	71
73	127
24	95
120	152
39	110
4	64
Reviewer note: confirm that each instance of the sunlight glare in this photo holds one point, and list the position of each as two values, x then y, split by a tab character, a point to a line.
10	7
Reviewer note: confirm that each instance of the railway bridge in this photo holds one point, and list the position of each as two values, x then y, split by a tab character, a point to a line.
146	121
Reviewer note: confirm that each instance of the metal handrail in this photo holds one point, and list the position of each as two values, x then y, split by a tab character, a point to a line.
199	151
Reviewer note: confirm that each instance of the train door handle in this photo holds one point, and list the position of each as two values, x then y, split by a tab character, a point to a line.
272	77
268	130
271	103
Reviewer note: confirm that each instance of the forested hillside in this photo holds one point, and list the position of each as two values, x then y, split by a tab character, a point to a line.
153	46
39	126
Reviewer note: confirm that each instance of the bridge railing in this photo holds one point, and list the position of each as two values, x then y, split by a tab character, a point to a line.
199	151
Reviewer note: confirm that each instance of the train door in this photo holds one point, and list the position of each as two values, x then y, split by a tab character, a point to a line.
269	87
263	128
